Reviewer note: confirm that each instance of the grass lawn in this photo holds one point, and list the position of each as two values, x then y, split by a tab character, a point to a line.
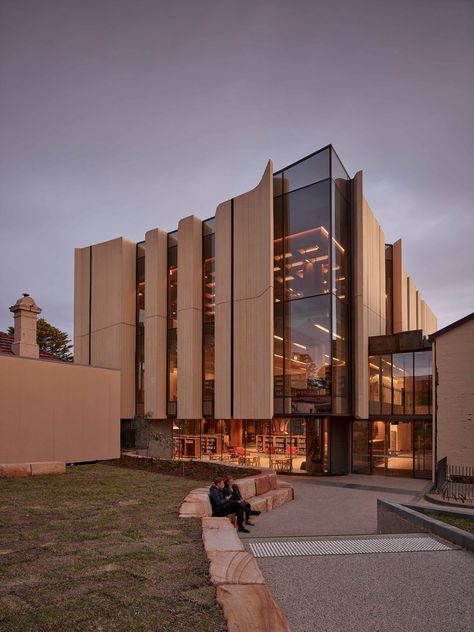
102	548
460	523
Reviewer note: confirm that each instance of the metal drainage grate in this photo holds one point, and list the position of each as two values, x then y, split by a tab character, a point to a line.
346	547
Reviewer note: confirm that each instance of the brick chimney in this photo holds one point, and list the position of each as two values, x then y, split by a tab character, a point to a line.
25	312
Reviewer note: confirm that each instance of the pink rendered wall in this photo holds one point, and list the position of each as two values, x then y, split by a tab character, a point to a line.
57	411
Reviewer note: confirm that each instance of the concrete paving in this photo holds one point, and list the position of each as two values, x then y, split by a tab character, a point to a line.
331	506
389	592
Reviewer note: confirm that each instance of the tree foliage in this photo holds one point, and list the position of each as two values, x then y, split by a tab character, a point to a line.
51	339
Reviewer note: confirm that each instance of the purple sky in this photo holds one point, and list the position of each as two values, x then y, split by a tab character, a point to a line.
117	116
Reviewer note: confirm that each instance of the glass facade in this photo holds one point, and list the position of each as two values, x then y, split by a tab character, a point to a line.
209	306
398	438
172	341
140	337
400	383
311	281
393	447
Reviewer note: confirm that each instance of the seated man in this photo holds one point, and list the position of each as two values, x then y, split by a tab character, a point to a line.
232	491
224	505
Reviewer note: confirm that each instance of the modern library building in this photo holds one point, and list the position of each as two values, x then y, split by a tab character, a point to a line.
281	332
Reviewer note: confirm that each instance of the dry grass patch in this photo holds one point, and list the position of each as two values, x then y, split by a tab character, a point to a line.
102	548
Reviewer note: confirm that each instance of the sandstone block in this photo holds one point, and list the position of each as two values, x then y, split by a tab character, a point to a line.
234	567
221	539
38	469
216	523
273	480
246	487
15	469
251	608
262	484
260	503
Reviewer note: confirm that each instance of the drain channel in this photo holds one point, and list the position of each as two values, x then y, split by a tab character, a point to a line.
346	546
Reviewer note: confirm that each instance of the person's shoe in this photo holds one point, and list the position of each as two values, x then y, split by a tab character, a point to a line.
243	530
255	513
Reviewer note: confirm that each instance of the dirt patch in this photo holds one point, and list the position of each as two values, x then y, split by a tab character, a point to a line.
195	470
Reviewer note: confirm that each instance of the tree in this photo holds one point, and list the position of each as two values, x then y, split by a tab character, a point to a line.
51	339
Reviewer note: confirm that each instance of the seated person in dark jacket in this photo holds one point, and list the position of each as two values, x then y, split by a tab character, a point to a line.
224	505
231	489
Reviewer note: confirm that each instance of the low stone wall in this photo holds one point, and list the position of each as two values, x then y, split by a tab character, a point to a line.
394	518
241	590
263	492
8	470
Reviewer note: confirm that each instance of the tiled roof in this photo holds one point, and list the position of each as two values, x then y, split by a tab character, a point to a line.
6	342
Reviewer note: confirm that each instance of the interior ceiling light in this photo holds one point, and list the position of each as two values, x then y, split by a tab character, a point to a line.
305	251
289	278
297	344
277	337
374	366
325	329
338	245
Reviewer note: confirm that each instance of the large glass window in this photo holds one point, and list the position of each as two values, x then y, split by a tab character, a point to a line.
172	322
360	447
307	354
386	384
340	358
375	374
423	373
311	169
340	244
140	346
209	304
302	265
402	376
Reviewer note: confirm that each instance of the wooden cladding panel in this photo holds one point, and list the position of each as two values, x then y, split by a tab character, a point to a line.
113	327
190	318
81	305
222	358
400	303
411	307
253	301
156	275
369	290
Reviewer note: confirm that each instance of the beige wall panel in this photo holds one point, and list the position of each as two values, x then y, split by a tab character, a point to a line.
423	315
400	315
113	314
455	395
253	301
411	307
190	318
55	411
369	290
222	347
418	310
431	321
156	270
81	304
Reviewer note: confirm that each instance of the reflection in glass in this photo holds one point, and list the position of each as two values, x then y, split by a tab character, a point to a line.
307	354
423	373
302	265
340	358
360	447
340	244
278	352
402	375
374	384
278	258
307	171
172	287
386	384
423	448
172	365
317	446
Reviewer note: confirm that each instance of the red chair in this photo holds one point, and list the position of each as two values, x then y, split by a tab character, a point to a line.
291	450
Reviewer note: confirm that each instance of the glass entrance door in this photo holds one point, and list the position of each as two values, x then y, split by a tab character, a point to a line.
392	448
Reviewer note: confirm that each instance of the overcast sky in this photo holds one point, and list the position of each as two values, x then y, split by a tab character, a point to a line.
117	116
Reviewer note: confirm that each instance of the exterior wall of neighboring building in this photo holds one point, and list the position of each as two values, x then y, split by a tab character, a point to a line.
57	411
454	403
104	313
